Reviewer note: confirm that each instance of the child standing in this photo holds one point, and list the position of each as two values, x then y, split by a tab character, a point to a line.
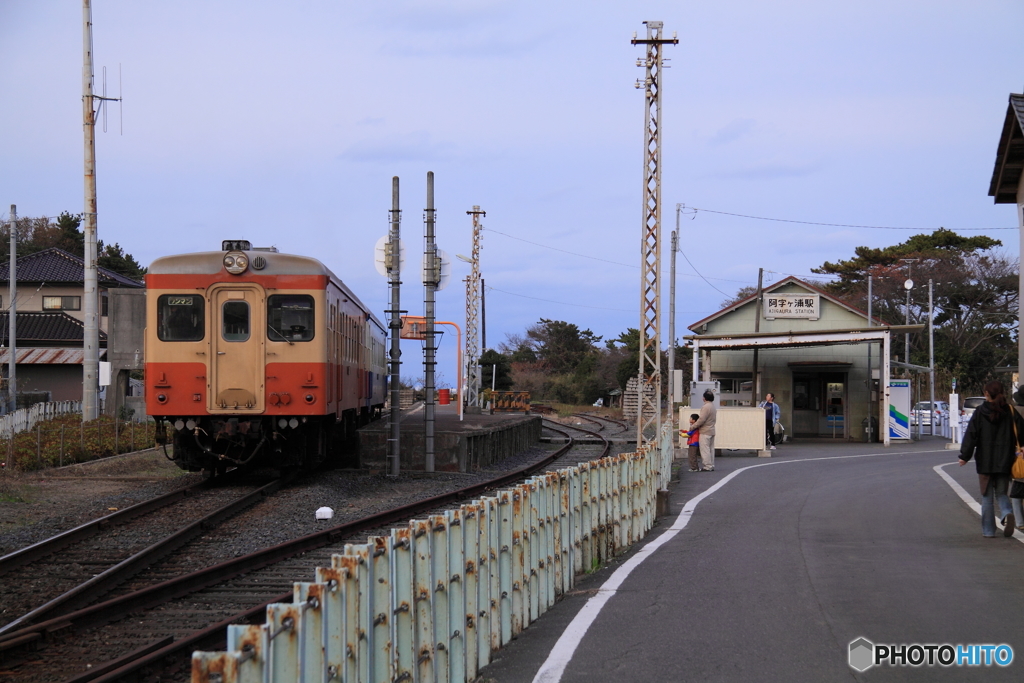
693	445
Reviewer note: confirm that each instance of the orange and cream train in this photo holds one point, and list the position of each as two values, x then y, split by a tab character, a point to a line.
256	356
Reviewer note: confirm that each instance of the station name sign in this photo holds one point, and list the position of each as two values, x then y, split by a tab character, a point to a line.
792	306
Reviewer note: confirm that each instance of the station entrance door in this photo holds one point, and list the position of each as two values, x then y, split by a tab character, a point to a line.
820	404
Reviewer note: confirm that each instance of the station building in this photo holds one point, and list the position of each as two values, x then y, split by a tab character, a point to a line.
814	352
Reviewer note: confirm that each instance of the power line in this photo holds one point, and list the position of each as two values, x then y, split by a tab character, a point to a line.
593	258
701	276
695	210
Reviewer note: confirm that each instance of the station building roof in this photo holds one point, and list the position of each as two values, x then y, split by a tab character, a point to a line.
1009	155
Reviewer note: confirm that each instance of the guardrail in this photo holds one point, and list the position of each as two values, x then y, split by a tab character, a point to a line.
25	419
432	600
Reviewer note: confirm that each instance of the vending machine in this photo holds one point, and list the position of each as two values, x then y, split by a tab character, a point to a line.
899	409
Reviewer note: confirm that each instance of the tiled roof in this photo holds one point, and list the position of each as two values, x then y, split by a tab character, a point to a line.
49	326
46	356
55	265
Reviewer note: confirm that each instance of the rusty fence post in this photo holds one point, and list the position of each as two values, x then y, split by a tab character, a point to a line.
39	444
62	444
117	442
133	435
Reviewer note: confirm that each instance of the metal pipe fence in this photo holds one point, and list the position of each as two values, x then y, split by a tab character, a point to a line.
432	600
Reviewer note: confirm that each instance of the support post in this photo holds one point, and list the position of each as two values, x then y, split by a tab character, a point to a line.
672	398
886	351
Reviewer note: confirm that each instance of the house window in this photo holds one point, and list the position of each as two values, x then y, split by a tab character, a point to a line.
62	303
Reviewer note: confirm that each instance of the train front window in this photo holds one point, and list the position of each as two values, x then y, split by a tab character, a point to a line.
236	321
290	317
180	317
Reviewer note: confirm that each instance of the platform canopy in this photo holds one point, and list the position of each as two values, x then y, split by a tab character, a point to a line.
775	340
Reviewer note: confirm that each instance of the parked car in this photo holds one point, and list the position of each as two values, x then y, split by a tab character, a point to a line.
923	412
969	406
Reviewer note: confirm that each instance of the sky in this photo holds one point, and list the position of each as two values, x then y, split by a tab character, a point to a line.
283	124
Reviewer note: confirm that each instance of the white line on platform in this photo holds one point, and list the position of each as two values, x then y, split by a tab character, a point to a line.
561	654
966	497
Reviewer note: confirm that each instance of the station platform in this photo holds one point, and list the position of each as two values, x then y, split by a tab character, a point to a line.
460	445
768	571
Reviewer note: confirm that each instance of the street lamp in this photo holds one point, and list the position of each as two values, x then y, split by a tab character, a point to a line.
908	285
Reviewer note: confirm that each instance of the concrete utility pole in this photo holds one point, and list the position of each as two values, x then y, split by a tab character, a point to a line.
755	385
393	263
649	385
472	315
931	357
672	398
12	318
871	379
431	280
90	295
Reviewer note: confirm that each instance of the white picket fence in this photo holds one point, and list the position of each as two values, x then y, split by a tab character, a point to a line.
25	419
432	600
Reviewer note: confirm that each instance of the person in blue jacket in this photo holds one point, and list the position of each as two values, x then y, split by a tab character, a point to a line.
772	413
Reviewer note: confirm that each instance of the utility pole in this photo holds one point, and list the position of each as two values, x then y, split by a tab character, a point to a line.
472	315
90	295
755	384
672	398
649	384
393	263
483	316
871	379
931	356
12	317
431	279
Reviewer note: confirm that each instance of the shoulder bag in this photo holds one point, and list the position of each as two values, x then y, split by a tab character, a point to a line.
1018	462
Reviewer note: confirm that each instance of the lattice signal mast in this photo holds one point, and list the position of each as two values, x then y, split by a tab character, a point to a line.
473	315
648	412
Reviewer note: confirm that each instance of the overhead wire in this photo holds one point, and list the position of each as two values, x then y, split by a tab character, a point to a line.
695	210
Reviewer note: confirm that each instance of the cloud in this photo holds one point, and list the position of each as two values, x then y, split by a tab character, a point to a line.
732	131
770	171
415	146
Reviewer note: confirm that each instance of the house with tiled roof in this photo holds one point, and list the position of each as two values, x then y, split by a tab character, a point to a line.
51	321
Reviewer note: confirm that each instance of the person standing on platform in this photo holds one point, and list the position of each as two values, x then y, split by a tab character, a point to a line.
772	413
991	438
706	425
693	445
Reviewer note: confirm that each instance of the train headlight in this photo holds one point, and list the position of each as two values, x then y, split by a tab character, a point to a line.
236	263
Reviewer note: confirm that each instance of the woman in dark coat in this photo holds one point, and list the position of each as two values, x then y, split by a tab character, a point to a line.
990	439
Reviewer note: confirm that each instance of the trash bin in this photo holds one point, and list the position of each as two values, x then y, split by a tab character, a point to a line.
444	396
870	425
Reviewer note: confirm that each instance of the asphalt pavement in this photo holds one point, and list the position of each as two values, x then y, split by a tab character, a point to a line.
772	575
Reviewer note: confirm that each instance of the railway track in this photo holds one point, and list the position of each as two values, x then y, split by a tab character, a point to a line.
80	566
157	626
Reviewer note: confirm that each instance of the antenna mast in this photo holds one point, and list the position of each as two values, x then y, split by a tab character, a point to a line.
649	385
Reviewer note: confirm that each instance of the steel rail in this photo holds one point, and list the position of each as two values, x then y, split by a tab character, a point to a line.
89	591
584	416
51	545
604	439
161	593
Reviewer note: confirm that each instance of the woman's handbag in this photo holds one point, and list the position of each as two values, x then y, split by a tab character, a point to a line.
1018	462
1017	489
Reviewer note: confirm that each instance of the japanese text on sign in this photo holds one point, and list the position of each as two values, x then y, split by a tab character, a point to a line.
791	306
